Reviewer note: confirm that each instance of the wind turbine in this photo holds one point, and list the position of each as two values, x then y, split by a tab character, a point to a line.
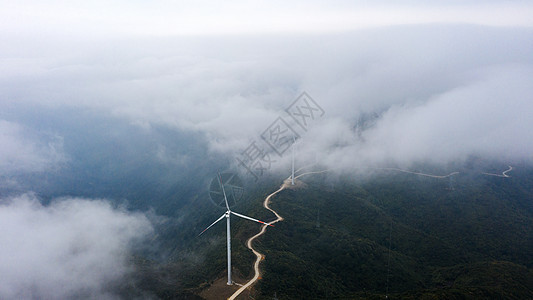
227	214
293	145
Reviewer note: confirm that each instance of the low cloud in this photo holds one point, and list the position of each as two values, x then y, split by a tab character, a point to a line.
487	118
391	95
73	248
23	150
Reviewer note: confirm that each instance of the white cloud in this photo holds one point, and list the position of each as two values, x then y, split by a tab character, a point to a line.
432	89
73	248
22	151
488	117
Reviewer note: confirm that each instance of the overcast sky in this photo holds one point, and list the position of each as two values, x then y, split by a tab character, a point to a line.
214	17
399	82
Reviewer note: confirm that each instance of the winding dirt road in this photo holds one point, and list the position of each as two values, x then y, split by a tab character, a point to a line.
258	255
421	174
504	173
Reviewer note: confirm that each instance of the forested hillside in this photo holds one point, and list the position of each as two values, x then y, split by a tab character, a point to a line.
470	236
391	233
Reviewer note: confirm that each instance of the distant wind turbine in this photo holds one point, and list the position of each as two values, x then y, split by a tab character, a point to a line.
227	214
293	145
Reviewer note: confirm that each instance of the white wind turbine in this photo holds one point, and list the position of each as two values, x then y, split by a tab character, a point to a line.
227	215
293	149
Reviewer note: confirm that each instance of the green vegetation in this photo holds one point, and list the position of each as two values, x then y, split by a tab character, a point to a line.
472	240
469	238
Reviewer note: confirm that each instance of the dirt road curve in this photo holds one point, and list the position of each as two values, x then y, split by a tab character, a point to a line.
258	255
504	173
421	174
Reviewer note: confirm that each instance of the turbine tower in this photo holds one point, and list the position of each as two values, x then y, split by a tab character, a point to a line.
227	214
293	145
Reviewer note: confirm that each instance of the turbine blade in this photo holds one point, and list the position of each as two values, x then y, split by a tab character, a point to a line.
231	177
223	191
251	219
221	217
